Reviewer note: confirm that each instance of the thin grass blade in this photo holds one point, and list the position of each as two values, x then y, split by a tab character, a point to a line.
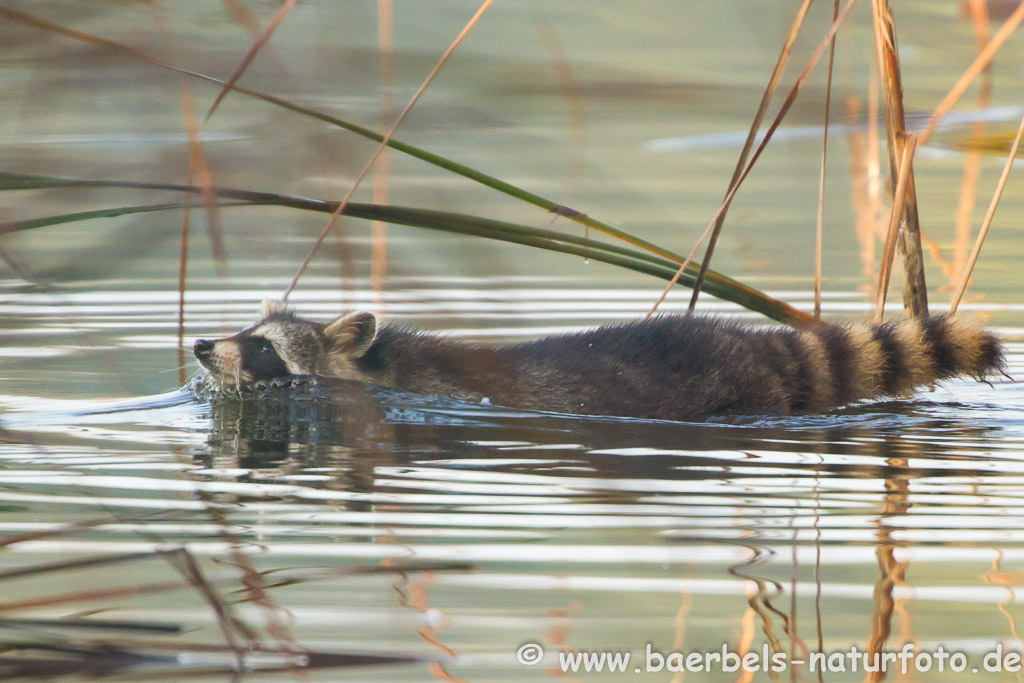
748	144
783	110
251	54
640	261
46	221
200	171
977	66
965	278
382	174
972	158
797	317
900	196
820	227
915	290
384	143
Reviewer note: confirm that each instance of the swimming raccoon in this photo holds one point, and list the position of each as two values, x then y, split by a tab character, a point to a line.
668	367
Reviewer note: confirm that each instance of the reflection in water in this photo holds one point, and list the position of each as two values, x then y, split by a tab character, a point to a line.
772	524
494	527
491	527
347	525
857	479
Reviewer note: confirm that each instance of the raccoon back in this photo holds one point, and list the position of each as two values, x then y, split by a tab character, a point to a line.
689	368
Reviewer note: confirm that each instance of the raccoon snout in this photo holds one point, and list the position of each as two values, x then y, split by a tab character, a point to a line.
203	348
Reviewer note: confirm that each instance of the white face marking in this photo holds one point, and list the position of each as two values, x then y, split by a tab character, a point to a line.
225	364
296	342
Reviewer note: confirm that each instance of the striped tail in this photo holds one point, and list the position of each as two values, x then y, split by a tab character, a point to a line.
893	358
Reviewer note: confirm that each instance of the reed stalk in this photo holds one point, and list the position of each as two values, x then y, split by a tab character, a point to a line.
776	122
820	227
723	282
384	144
979	64
260	41
748	144
641	261
987	223
915	292
899	198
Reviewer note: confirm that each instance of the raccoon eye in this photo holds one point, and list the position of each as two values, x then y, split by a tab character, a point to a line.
266	347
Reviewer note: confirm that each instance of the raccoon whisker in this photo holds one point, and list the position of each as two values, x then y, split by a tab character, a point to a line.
180	367
186	365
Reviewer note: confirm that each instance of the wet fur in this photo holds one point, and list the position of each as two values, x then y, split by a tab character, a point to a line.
670	367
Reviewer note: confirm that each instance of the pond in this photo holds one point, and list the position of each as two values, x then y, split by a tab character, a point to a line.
371	534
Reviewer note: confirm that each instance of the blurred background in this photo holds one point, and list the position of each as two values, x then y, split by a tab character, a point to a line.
897	519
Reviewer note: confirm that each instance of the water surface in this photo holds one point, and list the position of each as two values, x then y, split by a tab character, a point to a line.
373	523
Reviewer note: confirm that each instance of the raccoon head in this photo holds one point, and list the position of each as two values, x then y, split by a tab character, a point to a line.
283	344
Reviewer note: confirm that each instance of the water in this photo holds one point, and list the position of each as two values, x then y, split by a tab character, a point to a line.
337	524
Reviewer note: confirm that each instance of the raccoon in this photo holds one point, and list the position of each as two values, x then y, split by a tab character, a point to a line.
668	367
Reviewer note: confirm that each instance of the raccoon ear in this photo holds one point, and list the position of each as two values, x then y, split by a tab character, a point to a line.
352	333
269	307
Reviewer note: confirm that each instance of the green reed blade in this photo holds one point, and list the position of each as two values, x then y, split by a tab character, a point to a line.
45	221
551	240
455	167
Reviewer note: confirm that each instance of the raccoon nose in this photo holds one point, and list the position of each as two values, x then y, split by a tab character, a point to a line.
202	348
